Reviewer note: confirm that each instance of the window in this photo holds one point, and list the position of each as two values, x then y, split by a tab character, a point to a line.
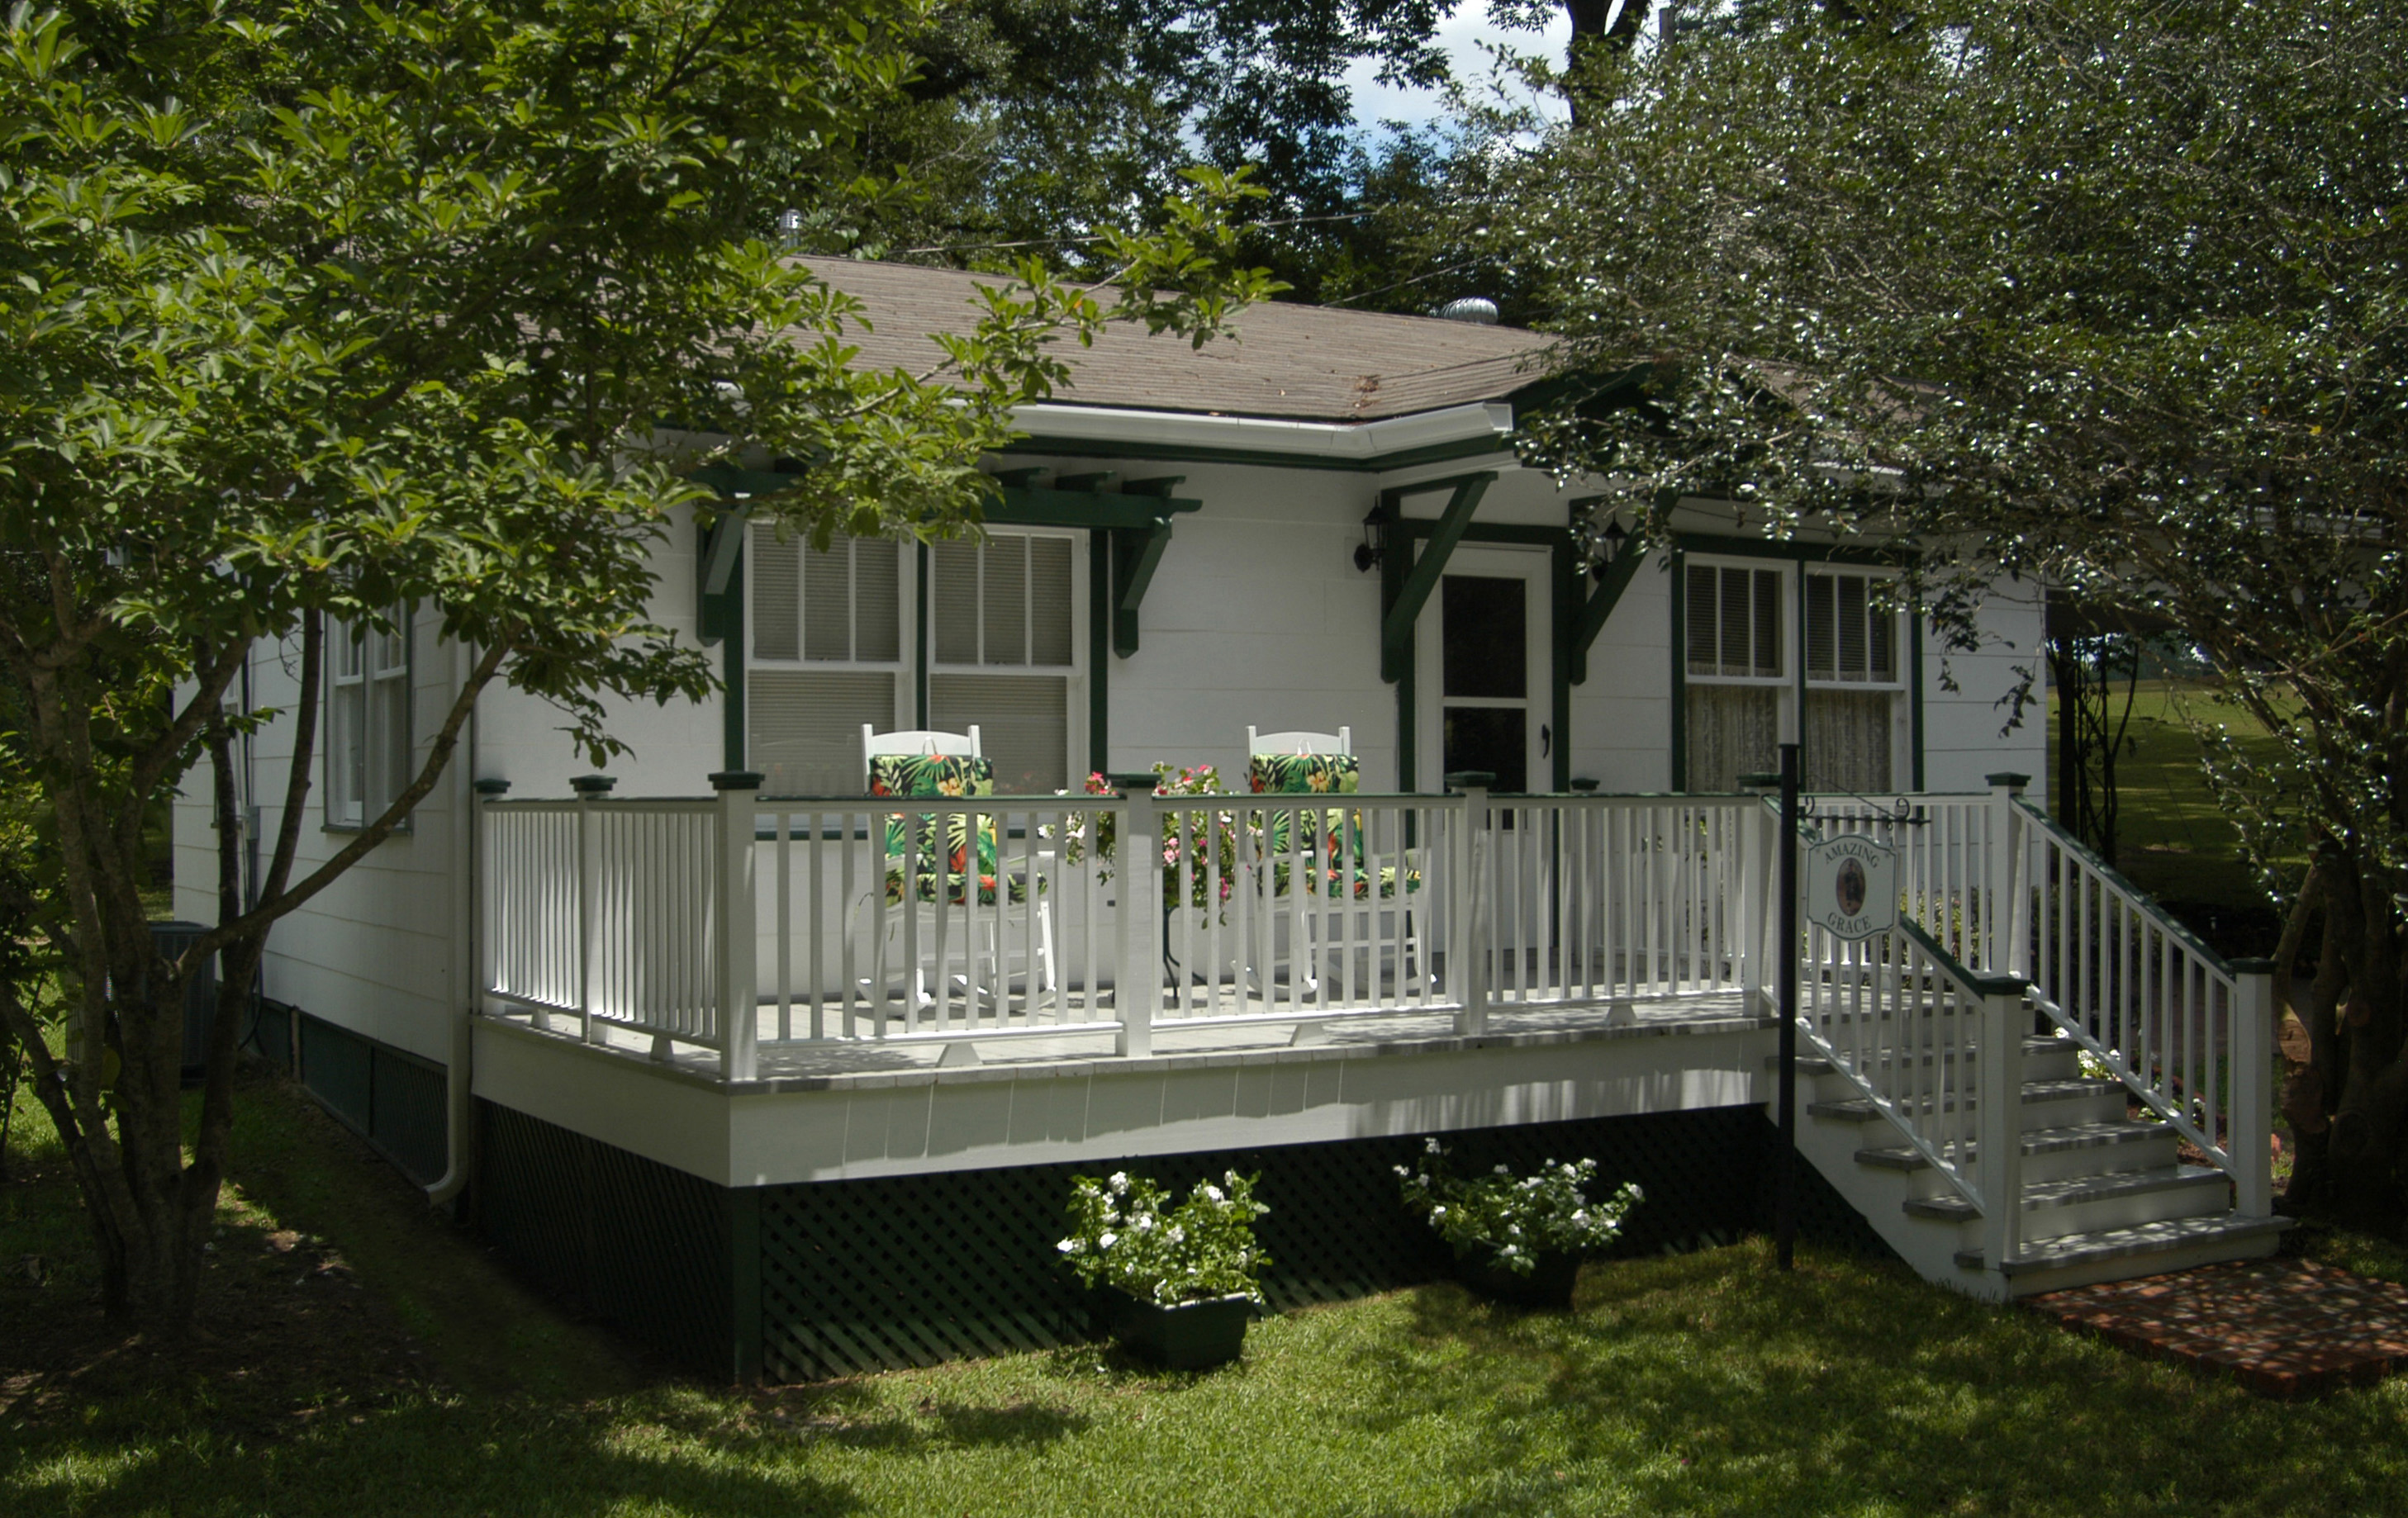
1735	642
828	656
367	719
1002	651
1736	677
1851	682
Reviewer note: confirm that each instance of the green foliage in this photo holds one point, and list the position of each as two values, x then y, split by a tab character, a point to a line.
312	313
1509	1220
1124	1233
2106	297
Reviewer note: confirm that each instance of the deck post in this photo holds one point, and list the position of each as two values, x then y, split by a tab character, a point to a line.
1468	906
2006	915
489	895
1136	982
1753	888
589	789
2251	1114
1997	1116
736	952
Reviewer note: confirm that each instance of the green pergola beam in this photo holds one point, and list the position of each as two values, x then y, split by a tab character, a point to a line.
1396	628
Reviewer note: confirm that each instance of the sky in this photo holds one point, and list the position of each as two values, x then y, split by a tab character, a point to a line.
1461	35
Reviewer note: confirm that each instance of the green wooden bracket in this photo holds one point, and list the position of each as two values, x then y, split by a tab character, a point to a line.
1085	483
1396	628
1135	554
718	610
1016	478
1590	619
1157	486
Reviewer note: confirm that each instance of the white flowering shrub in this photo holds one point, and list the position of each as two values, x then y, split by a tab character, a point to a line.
1124	1233
1512	1219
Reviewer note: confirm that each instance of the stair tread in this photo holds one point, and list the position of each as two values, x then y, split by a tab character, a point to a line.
1859	1108
2074	1190
2118	1243
2036	1141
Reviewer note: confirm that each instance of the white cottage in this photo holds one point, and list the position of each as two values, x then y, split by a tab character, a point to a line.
694	1060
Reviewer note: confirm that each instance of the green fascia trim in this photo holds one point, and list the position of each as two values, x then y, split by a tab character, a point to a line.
1591	617
1680	775
920	642
1099	645
1914	690
1471	448
744	1306
1397	628
1135	554
1394	565
1790	549
1035	507
1564	573
731	702
744	484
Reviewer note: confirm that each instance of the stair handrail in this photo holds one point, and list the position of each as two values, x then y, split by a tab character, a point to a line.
1947	1155
2153	1085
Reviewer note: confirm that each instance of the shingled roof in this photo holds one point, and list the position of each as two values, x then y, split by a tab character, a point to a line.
1299	362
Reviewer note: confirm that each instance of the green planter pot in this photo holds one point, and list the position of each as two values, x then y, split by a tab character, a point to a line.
1549	1284
1191	1335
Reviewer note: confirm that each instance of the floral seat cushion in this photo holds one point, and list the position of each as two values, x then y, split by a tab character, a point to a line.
1304	774
916	844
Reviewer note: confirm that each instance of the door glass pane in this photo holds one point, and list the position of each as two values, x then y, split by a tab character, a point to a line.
1484	622
1493	739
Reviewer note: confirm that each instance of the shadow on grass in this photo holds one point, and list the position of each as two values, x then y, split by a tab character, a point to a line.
427	1454
1710	1384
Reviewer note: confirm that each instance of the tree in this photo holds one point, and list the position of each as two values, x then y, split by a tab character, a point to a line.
312	313
2113	295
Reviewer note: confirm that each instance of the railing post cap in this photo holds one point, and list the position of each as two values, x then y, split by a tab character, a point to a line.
1471	780
593	784
2251	967
2007	778
1133	781
1998	985
1760	780
492	787
737	779
1583	784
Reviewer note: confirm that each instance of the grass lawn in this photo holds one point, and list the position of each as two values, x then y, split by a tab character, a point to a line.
2173	840
362	1357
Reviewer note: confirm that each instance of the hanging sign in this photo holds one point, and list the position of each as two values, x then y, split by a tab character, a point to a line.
1851	885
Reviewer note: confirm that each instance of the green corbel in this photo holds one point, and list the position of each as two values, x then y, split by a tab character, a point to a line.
1397	628
1590	619
1137	552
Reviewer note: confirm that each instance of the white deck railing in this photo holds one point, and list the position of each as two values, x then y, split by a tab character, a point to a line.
604	913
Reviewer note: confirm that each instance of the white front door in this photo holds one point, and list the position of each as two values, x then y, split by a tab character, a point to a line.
1484	673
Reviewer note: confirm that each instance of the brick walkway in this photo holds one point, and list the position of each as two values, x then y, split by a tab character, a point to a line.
2285	1328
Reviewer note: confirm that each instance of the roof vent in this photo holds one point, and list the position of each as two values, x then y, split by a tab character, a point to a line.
1476	309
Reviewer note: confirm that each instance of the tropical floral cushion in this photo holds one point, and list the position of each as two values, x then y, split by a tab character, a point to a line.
1333	851
940	775
1304	774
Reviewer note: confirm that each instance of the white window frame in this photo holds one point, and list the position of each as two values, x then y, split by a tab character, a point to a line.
361	670
1073	674
1784	617
1837	680
898	670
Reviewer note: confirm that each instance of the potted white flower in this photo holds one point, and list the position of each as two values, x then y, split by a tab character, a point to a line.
1518	1239
1174	1284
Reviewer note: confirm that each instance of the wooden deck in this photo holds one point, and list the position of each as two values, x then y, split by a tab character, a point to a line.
860	1109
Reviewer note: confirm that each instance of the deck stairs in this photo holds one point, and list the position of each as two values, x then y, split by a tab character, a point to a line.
2104	1196
2127	1038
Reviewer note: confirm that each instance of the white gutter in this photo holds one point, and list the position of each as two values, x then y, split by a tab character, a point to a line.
1352	442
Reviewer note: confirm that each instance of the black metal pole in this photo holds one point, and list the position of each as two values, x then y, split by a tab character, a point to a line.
1784	1197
